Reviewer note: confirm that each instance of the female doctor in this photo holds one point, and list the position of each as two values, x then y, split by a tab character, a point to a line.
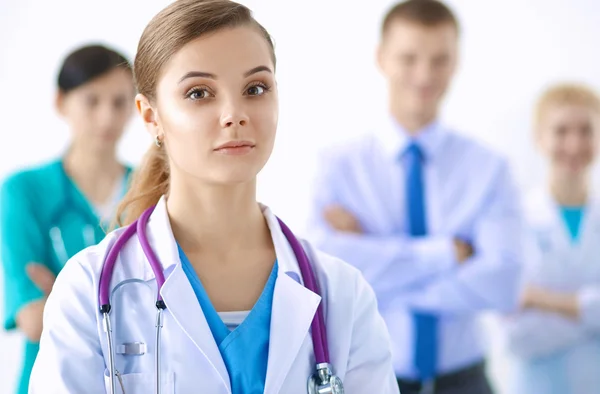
237	311
52	211
555	339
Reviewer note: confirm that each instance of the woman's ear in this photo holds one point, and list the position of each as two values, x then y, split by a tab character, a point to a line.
148	114
59	103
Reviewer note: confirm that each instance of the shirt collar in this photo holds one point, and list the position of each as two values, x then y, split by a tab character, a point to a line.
395	139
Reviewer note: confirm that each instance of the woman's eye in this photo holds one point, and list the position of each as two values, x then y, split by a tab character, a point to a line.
198	94
256	90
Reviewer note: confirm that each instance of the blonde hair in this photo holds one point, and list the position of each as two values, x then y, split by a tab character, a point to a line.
170	30
565	94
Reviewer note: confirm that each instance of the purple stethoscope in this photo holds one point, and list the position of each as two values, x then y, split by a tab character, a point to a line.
323	381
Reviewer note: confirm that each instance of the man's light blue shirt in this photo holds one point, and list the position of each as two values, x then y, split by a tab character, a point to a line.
470	194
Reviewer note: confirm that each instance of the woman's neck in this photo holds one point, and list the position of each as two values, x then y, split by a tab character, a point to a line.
96	175
569	191
221	220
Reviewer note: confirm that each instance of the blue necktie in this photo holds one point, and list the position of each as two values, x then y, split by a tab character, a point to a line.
425	356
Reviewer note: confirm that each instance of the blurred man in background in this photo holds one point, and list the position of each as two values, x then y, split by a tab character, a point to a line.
429	216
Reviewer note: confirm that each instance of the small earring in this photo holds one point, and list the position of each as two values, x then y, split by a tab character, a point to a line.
158	141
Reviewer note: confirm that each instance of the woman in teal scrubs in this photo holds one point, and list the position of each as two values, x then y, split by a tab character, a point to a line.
51	212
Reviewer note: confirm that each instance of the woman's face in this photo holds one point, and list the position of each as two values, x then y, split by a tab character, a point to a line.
99	110
216	107
568	137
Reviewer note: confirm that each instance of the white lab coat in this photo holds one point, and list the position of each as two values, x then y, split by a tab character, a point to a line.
551	353
73	349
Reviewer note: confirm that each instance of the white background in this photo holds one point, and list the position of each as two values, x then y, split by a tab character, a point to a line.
329	85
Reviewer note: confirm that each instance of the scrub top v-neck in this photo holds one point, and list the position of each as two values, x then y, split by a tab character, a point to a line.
244	345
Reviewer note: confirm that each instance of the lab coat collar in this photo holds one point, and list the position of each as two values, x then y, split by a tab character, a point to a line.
293	310
177	292
544	208
545	216
395	139
288	265
160	237
540	206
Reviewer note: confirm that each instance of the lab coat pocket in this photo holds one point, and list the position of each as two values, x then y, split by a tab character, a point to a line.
139	383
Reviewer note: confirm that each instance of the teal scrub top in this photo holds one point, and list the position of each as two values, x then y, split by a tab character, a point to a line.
572	217
44	218
245	350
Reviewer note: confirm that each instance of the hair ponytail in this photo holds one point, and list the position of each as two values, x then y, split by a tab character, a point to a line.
150	182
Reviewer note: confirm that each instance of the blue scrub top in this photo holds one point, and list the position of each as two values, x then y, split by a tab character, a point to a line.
572	216
245	350
44	218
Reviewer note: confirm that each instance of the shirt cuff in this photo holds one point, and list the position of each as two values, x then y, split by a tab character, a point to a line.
589	303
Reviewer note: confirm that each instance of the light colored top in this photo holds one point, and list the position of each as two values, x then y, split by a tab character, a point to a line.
551	353
469	193
106	211
233	319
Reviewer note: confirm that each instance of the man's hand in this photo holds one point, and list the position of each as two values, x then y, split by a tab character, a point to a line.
463	249
342	220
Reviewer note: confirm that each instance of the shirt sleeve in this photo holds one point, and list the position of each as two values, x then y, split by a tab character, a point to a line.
388	263
533	334
589	307
22	242
490	279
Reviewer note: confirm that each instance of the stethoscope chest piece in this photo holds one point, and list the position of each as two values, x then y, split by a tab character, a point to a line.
324	381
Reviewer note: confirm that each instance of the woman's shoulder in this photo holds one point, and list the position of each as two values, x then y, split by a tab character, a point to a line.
36	177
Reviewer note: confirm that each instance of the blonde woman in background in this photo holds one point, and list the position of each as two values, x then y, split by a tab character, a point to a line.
555	339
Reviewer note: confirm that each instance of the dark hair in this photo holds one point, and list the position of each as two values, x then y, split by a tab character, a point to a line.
87	63
423	12
170	30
